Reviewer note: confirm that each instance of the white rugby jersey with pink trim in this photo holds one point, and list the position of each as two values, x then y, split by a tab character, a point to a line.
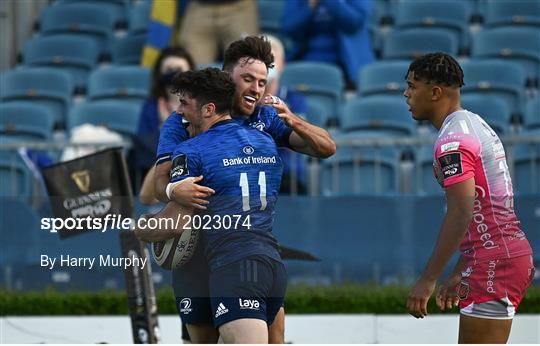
468	148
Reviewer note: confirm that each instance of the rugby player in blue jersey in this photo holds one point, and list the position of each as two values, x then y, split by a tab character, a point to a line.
248	61
242	165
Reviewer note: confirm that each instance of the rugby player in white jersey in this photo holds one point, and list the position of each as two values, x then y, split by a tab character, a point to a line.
495	267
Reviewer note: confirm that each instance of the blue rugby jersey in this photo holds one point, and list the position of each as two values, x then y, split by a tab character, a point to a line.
173	132
265	118
244	168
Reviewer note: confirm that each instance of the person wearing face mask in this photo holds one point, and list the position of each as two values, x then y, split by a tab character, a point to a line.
158	106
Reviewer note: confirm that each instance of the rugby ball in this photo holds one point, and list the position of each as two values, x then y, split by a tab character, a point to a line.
175	252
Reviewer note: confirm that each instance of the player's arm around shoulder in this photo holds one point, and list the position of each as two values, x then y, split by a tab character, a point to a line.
305	138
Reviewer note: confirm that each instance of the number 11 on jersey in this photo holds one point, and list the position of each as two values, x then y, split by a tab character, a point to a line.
244	184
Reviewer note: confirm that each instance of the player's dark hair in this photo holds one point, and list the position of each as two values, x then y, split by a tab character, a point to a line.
254	47
159	85
439	68
210	85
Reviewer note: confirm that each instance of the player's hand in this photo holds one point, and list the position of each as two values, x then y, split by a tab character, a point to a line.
419	297
282	109
190	194
447	295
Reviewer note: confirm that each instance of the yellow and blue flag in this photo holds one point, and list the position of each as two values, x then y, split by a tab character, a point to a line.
160	30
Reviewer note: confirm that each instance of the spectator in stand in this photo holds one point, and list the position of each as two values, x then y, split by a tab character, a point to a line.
160	104
294	170
330	31
210	26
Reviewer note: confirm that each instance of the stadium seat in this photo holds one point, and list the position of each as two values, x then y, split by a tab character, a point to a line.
512	13
19	232
139	18
74	55
120	83
383	77
316	113
450	16
359	170
270	13
15	177
531	119
526	208
519	44
526	158
81	20
25	121
490	108
412	43
380	114
424	178
499	78
116	8
115	115
316	80
128	50
48	88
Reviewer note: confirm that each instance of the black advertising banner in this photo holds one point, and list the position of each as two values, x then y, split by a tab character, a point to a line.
140	292
89	187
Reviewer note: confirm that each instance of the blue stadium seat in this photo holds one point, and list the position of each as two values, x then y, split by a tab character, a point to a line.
383	77
75	55
499	78
19	232
120	83
512	13
48	88
270	13
81	20
519	44
450	16
139	18
116	115
316	113
361	170
526	208
381	114
531	119
116	8
490	108
25	121
15	177
526	158
412	43
423	176
316	80
128	50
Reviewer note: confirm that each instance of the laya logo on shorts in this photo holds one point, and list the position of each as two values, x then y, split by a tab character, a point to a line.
451	165
185	306
221	309
252	304
179	166
463	290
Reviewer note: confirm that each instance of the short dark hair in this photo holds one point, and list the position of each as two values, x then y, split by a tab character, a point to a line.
254	47
158	87
437	67
210	85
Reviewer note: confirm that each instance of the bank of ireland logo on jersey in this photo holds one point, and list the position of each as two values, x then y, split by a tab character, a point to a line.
185	306
248	150
259	125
